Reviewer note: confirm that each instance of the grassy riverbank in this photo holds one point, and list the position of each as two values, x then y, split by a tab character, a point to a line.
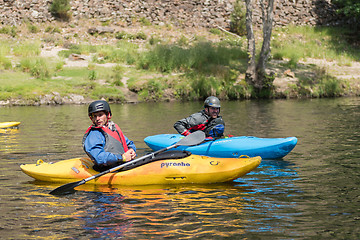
62	63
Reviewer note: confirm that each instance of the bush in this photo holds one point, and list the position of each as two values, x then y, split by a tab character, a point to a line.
116	75
27	49
144	21
61	9
92	75
52	29
238	18
33	28
8	30
5	62
37	67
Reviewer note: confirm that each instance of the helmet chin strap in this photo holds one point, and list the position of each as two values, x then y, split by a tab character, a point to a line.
207	110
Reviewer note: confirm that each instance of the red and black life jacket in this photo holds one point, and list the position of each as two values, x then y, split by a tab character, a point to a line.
199	121
114	139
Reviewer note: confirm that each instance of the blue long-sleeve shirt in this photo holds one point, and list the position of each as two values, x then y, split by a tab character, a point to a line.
94	145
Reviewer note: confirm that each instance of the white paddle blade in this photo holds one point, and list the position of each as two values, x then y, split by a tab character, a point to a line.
192	139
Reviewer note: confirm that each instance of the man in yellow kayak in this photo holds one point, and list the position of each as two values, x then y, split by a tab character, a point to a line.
207	120
104	141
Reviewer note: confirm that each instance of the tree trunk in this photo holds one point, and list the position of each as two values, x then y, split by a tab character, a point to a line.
256	73
250	74
267	30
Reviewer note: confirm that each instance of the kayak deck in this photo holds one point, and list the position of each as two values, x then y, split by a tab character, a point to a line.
191	169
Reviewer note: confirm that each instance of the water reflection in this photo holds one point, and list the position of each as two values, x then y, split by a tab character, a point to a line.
8	139
189	210
150	212
105	217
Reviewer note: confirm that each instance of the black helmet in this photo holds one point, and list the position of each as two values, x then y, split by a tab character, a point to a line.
212	102
99	105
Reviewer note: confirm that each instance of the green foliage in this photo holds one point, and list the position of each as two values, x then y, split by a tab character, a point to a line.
33	28
5	63
5	30
330	87
215	31
106	92
321	85
127	36
117	74
144	21
164	58
349	8
204	86
236	92
123	35
27	49
198	86
202	57
208	68
37	67
78	49
123	52
24	86
238	18
61	9
52	29
153	91
59	66
141	36
40	69
105	23
92	75
183	41
185	69
154	40
294	59
296	42
12	31
231	86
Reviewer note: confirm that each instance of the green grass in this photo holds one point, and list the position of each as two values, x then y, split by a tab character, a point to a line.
301	42
190	69
5	49
27	49
24	87
202	57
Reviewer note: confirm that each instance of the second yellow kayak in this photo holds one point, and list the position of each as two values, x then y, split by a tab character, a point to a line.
9	124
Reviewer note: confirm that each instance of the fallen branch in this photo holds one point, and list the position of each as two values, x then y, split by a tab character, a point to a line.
222	29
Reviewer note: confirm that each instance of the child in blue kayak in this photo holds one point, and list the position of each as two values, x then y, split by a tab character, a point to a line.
207	120
104	141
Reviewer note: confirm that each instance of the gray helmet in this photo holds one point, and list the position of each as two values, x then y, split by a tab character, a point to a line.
212	102
99	105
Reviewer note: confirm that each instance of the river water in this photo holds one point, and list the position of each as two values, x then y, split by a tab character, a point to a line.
312	193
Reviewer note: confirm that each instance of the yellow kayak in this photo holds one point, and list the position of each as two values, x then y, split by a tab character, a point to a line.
9	124
191	169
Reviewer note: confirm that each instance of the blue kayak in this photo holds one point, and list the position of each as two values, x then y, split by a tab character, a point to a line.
232	147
